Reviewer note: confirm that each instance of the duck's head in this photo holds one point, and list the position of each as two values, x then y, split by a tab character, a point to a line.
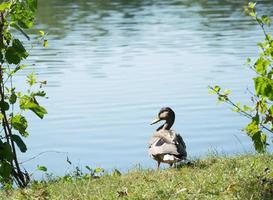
166	114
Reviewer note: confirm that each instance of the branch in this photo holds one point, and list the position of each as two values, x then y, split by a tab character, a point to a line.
246	114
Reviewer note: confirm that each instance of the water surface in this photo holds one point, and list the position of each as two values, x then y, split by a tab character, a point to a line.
111	65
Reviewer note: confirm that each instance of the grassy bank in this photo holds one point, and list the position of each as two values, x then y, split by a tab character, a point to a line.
240	177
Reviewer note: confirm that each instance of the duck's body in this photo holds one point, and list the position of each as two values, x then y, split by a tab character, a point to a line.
166	145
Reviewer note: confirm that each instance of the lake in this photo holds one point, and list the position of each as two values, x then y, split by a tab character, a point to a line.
111	65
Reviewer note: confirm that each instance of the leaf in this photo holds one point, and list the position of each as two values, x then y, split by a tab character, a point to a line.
42	168
20	143
22	14
4	6
5	152
227	92
98	170
252	128
13	98
31	104
264	87
17	27
5	170
16	52
4	105
266	20
248	61
68	161
31	79
217	88
42	33
251	5
20	49
32	4
259	142
261	65
116	172
19	123
39	93
252	14
89	168
270	110
246	108
45	44
11	56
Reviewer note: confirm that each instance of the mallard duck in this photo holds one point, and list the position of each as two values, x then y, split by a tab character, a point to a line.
166	145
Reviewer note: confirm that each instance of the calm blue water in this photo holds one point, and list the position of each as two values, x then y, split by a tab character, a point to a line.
111	65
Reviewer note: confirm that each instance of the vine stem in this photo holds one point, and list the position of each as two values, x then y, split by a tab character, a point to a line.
20	177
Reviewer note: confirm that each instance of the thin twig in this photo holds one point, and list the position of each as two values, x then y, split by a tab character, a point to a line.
41	153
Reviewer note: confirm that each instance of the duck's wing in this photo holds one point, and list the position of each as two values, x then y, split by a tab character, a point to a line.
181	146
166	142
161	147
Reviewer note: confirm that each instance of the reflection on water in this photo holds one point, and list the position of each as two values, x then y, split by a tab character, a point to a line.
112	64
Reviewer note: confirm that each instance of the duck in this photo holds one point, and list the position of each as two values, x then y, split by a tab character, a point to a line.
166	145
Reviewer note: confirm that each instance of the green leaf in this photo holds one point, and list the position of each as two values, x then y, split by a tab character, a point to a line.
1	57
252	14
42	168
89	168
39	93
20	124
13	98
5	170
266	20
20	49
261	65
98	170
16	52
227	92
4	6
12	56
116	172
248	61
270	110
31	104
251	5
252	128
45	44
259	142
5	152
20	143
264	87
22	14
31	79
217	88
246	108
17	27
42	33
4	105
32	4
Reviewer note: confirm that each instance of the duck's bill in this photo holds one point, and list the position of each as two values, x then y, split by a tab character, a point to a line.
155	121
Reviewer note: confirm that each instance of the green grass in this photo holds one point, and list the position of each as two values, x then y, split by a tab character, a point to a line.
240	177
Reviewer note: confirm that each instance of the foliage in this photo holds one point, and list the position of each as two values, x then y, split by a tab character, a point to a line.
260	112
242	177
15	17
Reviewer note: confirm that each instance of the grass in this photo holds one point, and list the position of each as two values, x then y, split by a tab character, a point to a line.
241	177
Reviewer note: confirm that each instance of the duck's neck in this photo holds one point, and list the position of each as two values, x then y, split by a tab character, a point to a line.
167	125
